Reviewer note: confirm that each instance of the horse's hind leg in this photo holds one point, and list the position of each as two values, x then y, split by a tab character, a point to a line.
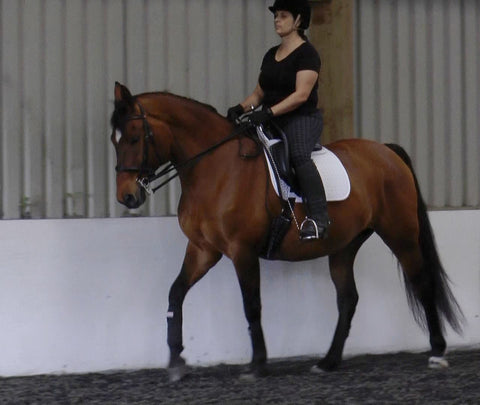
195	265
341	271
425	290
247	267
406	229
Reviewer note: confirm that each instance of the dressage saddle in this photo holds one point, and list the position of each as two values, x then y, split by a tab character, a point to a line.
281	155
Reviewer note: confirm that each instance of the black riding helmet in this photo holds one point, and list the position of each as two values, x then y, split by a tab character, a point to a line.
296	7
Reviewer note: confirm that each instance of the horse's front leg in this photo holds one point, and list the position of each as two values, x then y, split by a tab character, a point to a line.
196	264
247	267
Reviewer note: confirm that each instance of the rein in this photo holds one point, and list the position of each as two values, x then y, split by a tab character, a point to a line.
146	180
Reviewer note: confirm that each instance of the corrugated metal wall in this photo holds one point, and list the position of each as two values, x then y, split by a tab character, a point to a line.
418	84
58	64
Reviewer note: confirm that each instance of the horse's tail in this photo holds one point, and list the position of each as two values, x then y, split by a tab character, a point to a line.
446	303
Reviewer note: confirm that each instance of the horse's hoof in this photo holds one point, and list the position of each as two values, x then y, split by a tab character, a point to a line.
177	369
436	362
252	373
248	377
317	370
324	366
177	373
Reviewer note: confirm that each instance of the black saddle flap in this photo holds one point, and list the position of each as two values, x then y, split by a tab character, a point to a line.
281	153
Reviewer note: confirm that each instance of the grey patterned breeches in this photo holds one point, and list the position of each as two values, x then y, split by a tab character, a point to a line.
302	132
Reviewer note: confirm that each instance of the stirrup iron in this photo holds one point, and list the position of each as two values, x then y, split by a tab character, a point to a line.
315	227
319	232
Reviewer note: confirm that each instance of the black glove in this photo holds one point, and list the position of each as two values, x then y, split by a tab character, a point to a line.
234	113
261	117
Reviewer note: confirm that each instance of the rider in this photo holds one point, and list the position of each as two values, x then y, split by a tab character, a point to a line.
287	90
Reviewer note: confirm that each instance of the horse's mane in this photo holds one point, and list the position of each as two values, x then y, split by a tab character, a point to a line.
122	106
199	103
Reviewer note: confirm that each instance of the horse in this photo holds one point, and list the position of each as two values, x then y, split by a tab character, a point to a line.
220	218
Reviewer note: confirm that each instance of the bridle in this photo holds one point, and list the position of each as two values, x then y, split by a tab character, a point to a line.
143	170
147	175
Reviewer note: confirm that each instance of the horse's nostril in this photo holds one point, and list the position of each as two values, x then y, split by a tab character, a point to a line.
129	200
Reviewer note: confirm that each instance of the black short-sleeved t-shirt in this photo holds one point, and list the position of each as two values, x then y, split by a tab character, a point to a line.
278	79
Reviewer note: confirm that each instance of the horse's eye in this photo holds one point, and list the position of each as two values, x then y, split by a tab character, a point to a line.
134	140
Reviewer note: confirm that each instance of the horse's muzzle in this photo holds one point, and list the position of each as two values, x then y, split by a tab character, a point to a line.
132	201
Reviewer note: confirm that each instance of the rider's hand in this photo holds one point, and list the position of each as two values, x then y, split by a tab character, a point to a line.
261	117
234	113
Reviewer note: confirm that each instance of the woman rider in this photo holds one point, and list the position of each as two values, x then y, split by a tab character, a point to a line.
287	90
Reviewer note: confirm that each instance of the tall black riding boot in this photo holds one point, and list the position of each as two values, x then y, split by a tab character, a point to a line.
316	223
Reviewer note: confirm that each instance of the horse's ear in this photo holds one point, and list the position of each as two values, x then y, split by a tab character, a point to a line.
122	93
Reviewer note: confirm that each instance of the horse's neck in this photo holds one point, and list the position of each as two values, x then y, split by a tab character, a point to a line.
215	177
194	127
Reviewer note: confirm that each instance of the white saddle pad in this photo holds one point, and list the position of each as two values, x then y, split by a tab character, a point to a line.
334	176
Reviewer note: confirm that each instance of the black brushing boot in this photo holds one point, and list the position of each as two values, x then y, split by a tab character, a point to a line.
316	223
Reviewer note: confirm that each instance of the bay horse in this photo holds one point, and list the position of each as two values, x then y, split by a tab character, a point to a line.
219	217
